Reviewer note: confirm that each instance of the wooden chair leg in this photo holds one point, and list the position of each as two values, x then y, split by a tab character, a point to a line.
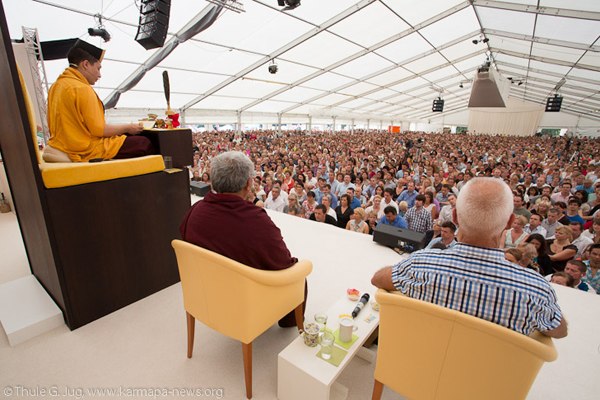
299	314
191	323
377	390
247	352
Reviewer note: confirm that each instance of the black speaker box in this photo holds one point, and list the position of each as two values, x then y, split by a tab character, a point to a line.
154	23
553	104
403	239
438	105
199	188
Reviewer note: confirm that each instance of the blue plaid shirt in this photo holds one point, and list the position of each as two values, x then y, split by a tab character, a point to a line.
480	282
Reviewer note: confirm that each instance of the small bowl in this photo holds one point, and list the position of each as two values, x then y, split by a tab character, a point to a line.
353	294
148	124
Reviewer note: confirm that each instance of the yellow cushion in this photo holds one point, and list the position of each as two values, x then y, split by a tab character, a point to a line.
57	175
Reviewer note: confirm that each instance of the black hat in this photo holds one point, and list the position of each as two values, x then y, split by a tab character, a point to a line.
94	51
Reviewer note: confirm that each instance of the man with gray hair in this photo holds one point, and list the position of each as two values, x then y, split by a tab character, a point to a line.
473	276
226	223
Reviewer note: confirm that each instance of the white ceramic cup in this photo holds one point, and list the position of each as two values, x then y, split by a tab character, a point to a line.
347	327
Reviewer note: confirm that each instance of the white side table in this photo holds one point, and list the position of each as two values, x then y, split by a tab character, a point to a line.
302	375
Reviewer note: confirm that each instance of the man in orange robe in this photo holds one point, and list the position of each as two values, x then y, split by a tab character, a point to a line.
76	114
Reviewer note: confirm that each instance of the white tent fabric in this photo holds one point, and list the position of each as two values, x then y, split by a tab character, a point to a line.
519	118
373	62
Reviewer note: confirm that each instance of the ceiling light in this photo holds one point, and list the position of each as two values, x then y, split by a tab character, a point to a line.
485	40
475	41
99	29
461	85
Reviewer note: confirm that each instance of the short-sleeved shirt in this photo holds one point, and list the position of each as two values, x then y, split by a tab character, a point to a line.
594	282
480	282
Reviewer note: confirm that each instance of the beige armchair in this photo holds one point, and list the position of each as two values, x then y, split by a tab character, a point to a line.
430	352
236	300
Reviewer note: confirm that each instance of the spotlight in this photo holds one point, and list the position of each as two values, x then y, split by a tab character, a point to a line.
461	85
289	4
103	33
273	67
484	40
520	83
553	104
438	105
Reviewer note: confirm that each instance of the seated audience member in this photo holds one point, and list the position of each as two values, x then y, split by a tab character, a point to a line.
292	206
418	218
516	234
359	196
309	204
580	241
592	273
573	212
535	225
354	202
376	206
300	192
357	222
562	210
564	194
402	208
562	278
388	200
560	249
528	254
224	222
446	236
275	200
332	197
577	270
463	272
320	215
543	259
326	201
343	211
551	222
391	217
446	211
430	206
372	221
519	206
409	194
513	255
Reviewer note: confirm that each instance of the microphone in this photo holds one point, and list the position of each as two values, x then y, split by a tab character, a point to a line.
363	300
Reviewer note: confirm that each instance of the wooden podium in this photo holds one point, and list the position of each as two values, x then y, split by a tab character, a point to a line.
176	143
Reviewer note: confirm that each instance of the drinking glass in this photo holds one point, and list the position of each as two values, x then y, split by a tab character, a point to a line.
327	345
321	320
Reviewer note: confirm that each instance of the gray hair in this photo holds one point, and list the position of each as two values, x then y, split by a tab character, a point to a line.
484	206
230	172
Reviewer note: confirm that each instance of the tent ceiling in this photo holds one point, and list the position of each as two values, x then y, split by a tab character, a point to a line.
381	59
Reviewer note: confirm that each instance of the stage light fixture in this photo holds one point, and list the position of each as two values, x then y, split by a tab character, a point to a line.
273	68
289	4
475	41
480	40
461	85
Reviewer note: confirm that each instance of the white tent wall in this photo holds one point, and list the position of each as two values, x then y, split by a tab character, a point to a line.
519	118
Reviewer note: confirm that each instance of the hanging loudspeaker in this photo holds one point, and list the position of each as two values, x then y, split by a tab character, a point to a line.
438	105
553	103
154	23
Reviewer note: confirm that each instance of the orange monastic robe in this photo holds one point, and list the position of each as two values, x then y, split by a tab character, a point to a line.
76	119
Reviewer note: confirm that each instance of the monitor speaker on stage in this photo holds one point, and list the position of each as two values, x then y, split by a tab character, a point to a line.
200	189
154	23
403	239
553	103
438	105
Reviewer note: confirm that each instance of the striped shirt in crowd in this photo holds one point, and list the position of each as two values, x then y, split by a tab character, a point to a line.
480	282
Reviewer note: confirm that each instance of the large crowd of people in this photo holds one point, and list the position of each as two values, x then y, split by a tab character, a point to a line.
356	180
